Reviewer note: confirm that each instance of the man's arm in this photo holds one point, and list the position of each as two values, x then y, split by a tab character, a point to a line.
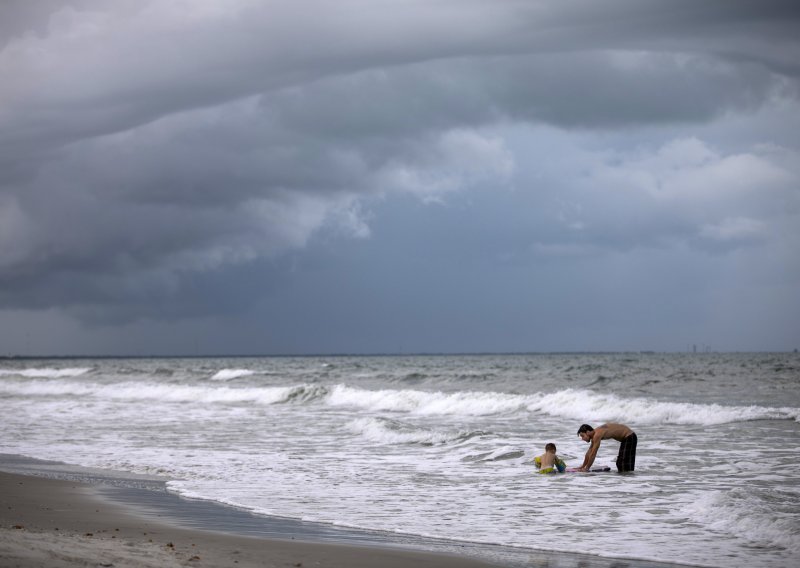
591	453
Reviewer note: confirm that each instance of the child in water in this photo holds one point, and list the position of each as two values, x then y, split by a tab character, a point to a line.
549	462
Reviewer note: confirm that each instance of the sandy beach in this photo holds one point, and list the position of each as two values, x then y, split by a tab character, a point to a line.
51	523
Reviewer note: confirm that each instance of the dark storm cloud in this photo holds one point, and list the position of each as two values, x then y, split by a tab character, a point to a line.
144	146
576	90
99	72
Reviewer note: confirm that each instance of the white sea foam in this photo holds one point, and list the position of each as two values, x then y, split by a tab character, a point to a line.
132	391
568	403
760	519
45	372
427	403
393	432
585	405
588	405
230	374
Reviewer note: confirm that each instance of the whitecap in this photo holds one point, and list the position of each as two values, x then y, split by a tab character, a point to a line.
395	432
588	406
230	374
46	372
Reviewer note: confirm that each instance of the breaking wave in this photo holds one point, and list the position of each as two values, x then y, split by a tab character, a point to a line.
589	405
765	518
394	432
433	403
584	405
569	403
230	374
45	373
132	391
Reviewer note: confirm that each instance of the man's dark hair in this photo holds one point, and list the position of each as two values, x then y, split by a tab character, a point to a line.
584	428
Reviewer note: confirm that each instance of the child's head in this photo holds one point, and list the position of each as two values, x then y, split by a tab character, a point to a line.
551	447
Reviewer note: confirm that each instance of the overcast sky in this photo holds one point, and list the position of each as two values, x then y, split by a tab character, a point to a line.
368	176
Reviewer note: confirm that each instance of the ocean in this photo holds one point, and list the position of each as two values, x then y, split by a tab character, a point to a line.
443	446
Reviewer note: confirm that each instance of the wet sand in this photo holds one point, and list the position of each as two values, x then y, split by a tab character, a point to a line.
54	523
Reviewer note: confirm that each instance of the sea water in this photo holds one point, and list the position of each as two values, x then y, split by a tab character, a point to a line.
443	446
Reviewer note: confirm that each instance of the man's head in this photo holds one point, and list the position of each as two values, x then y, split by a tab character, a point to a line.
550	447
585	432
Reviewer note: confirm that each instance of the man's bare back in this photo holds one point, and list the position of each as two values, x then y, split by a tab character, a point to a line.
614	431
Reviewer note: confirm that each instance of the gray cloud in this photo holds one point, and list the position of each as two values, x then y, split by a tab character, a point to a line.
148	148
157	60
684	193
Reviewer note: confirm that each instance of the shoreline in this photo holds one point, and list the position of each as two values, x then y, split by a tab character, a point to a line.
58	523
71	516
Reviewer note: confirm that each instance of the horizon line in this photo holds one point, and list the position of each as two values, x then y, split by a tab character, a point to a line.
385	354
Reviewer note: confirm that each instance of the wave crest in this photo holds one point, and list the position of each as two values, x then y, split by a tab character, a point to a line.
573	404
583	405
45	373
432	403
588	405
230	374
386	431
306	393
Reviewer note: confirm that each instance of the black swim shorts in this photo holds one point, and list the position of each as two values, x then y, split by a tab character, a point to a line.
626	459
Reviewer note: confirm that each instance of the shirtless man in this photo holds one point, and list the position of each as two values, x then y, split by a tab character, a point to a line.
626	459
